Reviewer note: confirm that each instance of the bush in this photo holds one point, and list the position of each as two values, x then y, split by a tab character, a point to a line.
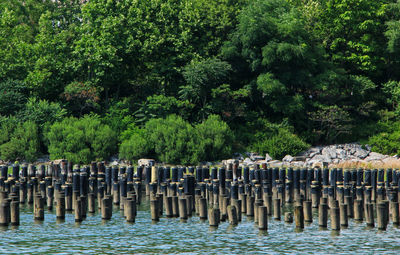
81	140
214	140
19	141
13	95
118	116
277	140
41	112
174	140
386	142
135	147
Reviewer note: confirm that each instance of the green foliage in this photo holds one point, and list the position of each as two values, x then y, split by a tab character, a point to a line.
19	141
325	68
278	141
41	112
135	144
13	95
81	140
160	106
118	116
173	140
201	77
213	140
386	142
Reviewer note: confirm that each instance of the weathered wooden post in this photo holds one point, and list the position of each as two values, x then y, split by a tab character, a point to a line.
262	218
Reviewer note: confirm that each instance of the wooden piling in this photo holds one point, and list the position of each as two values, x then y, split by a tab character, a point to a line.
344	222
277	209
323	215
154	211
14	213
60	206
369	215
106	207
213	217
38	207
262	218
394	207
381	216
335	218
203	208
78	209
307	211
4	213
175	206
232	215
183	210
249	206
299	216
129	209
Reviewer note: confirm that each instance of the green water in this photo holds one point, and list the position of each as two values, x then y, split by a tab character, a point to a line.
94	236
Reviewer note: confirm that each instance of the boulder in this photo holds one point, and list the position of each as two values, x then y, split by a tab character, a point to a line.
299	158
268	157
256	157
227	162
146	162
341	154
329	152
248	162
322	159
287	158
276	163
373	156
297	164
360	153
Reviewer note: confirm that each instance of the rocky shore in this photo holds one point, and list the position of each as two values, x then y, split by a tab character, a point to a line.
338	155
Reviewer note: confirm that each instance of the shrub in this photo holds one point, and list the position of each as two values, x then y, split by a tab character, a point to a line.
41	112
81	140
386	142
135	145
174	140
118	116
213	140
13	95
19	141
277	140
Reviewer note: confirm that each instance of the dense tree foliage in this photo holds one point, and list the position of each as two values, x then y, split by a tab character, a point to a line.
191	80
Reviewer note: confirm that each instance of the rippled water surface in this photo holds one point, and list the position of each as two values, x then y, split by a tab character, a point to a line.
194	236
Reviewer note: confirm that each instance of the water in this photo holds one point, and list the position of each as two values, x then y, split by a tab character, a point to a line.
191	237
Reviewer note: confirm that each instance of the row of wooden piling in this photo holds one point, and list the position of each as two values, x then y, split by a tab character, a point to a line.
213	194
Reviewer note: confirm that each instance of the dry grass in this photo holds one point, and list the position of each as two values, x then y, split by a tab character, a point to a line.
388	163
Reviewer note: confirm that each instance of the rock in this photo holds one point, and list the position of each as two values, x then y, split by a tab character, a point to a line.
146	162
297	164
360	153
248	162
287	158
229	161
322	159
268	157
375	156
256	157
238	156
341	154
329	152
299	158
58	161
275	163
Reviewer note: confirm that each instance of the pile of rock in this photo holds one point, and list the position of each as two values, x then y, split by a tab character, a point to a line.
331	155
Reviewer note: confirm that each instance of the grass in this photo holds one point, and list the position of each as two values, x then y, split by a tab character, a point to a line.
392	163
